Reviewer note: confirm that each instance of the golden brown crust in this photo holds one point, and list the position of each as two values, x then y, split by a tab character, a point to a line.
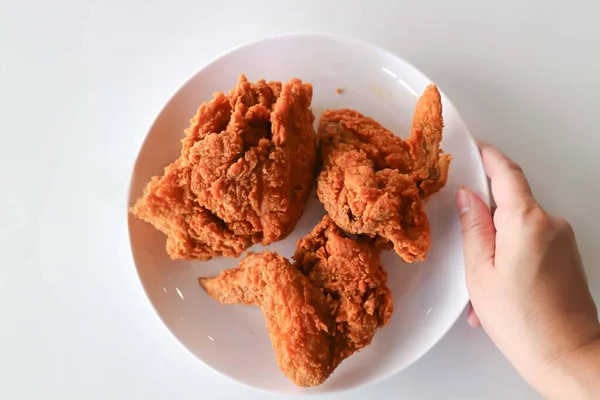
297	313
430	164
246	169
321	309
374	183
348	271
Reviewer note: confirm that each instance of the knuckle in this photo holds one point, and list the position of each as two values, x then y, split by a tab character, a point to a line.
530	217
512	165
540	222
534	215
564	227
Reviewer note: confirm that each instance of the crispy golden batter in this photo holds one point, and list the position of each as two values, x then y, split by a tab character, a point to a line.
320	310
298	313
374	183
350	273
246	169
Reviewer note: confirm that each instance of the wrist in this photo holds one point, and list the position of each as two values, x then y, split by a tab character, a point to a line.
575	374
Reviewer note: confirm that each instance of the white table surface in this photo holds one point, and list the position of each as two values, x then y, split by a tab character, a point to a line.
80	83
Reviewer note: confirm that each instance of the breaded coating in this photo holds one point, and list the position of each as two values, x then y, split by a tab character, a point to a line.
246	168
321	309
374	183
348	271
298	313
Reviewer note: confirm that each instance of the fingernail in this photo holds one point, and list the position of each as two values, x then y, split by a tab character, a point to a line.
463	201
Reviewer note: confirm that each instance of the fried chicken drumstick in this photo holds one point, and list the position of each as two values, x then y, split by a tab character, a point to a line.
374	183
246	169
321	309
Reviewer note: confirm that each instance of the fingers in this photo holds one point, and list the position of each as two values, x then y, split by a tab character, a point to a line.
472	318
478	232
509	186
478	239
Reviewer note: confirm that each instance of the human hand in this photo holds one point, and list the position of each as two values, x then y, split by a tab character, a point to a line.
524	276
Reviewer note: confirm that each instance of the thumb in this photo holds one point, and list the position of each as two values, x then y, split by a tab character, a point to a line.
478	232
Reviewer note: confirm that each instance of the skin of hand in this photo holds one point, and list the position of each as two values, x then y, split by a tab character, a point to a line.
527	285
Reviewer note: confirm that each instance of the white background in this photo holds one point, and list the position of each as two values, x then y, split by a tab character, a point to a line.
80	83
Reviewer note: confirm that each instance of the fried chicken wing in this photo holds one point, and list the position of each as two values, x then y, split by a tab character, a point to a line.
430	165
374	183
297	313
321	309
246	169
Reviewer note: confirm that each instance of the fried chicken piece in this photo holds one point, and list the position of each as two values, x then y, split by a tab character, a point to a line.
246	168
374	183
298	314
321	309
430	165
349	272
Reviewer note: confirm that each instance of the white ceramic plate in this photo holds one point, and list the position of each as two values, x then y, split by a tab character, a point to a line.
428	296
